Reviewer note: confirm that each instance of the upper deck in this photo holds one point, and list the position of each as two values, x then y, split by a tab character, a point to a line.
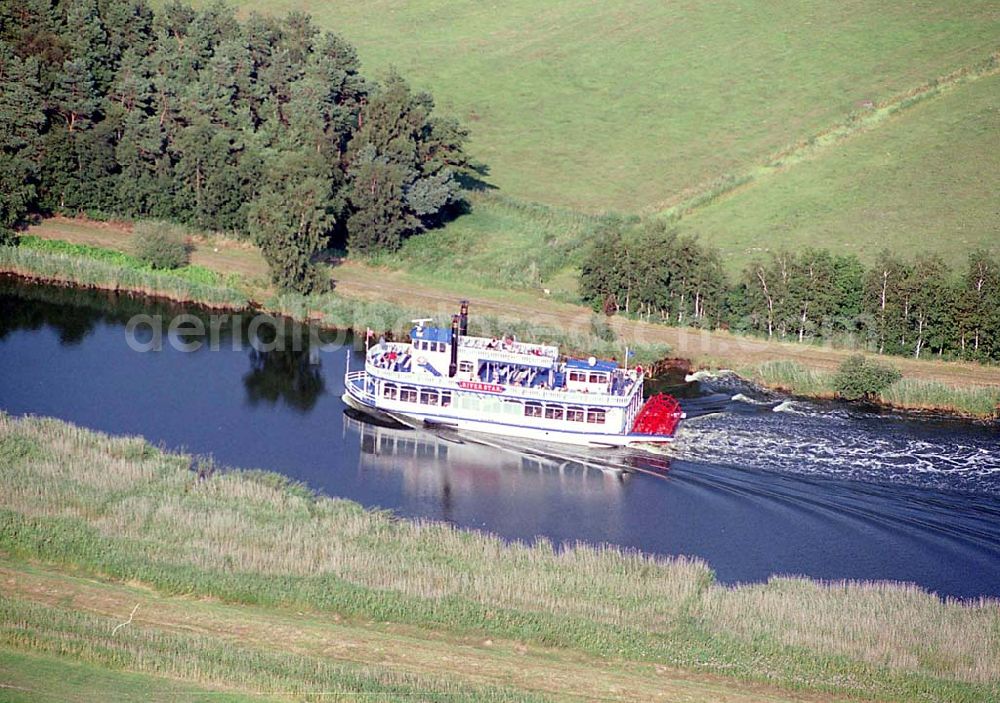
515	369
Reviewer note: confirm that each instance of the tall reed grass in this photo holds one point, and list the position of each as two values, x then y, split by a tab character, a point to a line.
116	272
983	402
792	377
124	509
914	393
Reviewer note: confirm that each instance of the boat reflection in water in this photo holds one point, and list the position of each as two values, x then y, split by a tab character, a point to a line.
485	483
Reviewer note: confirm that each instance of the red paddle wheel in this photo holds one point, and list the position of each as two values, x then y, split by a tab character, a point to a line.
658	416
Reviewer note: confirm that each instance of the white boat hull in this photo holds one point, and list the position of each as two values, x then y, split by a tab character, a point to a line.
587	439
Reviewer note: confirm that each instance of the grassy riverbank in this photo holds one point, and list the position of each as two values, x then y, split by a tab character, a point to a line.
913	394
245	567
60	262
92	267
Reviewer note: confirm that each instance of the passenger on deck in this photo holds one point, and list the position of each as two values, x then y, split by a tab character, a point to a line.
493	344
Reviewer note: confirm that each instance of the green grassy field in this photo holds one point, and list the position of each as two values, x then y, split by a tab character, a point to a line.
925	180
245	580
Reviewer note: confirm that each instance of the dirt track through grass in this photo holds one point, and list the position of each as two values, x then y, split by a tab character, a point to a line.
564	675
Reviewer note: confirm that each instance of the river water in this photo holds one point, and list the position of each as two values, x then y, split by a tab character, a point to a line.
757	484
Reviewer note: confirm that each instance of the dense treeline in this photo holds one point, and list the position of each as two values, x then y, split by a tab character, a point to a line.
895	306
264	128
650	270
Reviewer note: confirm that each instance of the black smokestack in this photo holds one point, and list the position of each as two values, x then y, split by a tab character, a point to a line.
453	366
464	318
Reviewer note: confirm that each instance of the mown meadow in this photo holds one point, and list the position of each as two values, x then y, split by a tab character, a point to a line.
44	643
919	183
120	509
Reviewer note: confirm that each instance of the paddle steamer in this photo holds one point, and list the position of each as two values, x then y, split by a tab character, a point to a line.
447	378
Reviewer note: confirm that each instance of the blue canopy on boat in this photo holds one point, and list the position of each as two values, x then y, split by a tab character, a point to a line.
432	334
599	365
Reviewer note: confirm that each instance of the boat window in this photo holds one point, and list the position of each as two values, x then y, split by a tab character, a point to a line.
574	414
598	378
578	376
446	398
389	391
408	394
428	397
533	409
595	416
512	407
554	412
465	366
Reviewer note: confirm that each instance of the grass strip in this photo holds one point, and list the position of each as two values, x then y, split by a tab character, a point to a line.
215	662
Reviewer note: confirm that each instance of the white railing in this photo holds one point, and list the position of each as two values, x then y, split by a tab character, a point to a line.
514	349
385	347
355	383
515	357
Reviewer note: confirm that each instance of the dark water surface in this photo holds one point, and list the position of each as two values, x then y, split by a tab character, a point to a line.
756	484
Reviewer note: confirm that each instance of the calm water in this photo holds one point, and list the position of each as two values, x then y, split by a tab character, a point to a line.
756	484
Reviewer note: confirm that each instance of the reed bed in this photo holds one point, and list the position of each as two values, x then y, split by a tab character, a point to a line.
792	377
913	393
121	508
899	626
189	272
75	269
977	401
